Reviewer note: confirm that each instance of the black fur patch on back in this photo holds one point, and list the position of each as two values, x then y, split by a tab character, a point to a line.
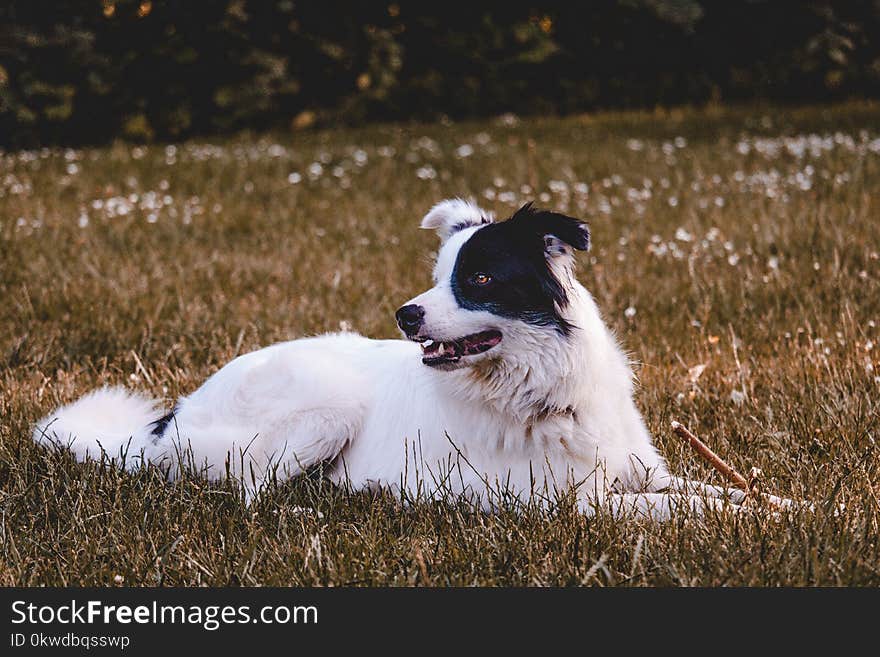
512	253
161	424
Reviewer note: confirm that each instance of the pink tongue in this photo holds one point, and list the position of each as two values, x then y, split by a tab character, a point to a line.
481	342
467	346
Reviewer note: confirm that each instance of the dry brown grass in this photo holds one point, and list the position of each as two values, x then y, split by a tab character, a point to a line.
756	304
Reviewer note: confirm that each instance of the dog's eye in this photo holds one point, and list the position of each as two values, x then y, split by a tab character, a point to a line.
481	279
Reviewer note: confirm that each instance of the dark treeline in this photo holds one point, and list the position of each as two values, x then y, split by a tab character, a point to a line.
91	70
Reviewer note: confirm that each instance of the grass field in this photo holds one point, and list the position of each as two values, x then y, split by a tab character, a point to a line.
735	253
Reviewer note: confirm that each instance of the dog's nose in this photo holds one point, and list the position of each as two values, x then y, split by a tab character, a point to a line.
409	318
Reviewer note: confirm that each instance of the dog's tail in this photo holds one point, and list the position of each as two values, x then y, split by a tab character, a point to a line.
114	422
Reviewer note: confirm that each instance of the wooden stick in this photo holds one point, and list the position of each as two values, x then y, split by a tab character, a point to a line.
751	486
714	460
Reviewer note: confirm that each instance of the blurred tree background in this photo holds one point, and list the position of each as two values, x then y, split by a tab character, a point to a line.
79	71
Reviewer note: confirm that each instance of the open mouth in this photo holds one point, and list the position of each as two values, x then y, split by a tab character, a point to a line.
435	352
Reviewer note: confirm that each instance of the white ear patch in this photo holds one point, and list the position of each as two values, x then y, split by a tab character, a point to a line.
555	247
450	216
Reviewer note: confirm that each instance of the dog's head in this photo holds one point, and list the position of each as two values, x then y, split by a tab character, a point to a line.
498	286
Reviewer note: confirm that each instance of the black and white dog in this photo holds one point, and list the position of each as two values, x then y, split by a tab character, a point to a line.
508	382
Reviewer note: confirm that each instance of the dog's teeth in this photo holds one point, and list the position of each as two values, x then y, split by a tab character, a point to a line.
441	349
427	343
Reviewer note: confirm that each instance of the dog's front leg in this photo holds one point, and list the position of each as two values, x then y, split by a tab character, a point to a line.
735	495
659	506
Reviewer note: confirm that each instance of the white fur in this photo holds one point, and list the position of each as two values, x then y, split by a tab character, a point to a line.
453	214
536	415
112	418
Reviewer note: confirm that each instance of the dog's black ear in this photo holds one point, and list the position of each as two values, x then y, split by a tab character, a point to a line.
450	216
560	231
